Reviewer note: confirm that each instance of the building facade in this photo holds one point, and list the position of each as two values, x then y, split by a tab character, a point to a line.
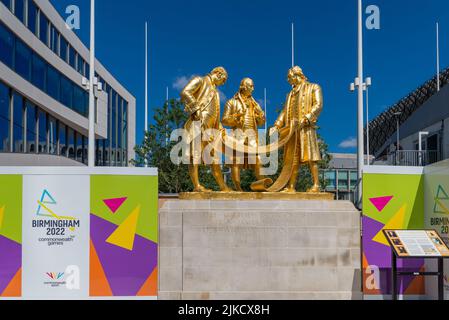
43	104
425	110
341	177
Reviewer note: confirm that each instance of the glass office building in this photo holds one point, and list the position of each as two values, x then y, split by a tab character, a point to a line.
43	104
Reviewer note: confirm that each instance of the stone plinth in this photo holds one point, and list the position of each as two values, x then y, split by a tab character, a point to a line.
260	249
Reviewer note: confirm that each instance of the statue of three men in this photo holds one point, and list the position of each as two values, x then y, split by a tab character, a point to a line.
303	107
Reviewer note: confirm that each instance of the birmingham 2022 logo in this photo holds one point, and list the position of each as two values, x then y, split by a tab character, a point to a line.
53	223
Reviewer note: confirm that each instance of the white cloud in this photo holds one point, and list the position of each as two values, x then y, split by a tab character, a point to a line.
348	143
180	82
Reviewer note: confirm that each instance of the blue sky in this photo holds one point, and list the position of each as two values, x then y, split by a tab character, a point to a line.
252	38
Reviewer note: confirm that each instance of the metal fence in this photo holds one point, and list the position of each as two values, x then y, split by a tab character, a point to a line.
413	158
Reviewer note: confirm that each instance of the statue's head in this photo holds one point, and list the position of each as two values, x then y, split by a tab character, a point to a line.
296	76
219	76
247	87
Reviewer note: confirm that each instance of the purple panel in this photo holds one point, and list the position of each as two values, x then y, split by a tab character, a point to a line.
125	270
10	261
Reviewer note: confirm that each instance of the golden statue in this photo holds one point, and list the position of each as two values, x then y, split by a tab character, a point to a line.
244	114
296	127
202	102
304	105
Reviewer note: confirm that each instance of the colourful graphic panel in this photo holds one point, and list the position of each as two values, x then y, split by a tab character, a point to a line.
390	201
10	235
124	233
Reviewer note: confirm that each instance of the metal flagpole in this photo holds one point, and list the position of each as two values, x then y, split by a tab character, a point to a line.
146	87
438	57
91	150
293	45
146	76
360	151
166	126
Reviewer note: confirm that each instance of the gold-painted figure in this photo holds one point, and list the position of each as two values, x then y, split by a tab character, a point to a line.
304	104
243	113
202	102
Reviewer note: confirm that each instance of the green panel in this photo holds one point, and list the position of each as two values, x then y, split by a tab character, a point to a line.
140	190
11	201
406	190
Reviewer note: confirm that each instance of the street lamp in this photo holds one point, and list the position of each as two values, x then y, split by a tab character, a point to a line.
421	134
365	85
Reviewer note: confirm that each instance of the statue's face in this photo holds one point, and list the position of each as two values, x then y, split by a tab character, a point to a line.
219	79
293	78
247	88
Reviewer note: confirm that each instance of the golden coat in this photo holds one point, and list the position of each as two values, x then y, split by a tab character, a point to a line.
304	102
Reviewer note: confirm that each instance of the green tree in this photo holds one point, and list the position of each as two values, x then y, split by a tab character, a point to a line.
156	147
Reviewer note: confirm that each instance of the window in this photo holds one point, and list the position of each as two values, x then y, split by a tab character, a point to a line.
330	178
79	101
18	125
31	127
62	140
22	63
72	57
43	28
53	82
52	135
32	16
43	132
66	92
19	10
79	146
80	64
353	179
38	72
85	150
343	181
63	49
71	143
7	3
54	40
6	46
4	118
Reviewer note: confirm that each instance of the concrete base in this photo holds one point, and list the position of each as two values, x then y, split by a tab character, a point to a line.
233	250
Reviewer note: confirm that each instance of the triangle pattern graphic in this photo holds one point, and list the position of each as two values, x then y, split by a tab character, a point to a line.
396	222
2	216
381	202
114	204
125	234
149	288
439	206
126	271
99	285
14	288
10	261
46	198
